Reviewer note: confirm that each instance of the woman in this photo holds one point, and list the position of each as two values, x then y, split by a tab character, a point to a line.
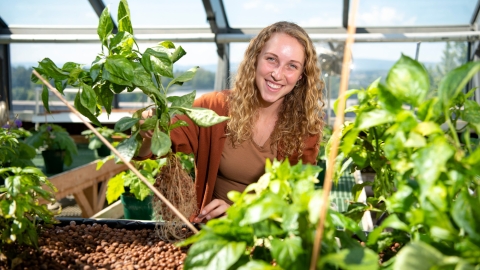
275	110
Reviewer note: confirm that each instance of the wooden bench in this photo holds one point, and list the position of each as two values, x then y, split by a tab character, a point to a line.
87	185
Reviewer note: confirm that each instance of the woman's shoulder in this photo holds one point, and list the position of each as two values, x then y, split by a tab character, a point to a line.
216	100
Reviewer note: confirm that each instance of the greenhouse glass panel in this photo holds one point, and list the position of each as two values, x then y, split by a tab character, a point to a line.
48	12
313	13
163	13
414	12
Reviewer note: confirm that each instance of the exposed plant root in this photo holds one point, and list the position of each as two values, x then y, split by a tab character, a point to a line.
178	187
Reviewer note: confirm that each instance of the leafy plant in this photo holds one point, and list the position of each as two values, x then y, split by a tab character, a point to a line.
20	211
122	67
127	179
54	137
426	178
13	151
95	142
272	224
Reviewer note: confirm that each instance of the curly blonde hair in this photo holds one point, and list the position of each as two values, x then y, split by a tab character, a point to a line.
301	112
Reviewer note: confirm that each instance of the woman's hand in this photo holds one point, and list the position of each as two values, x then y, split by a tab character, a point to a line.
215	208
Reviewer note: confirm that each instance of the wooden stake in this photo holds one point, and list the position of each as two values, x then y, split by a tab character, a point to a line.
327	186
107	143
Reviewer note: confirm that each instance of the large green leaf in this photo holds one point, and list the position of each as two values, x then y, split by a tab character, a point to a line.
214	253
408	81
455	80
466	213
51	70
201	116
419	256
122	42
158	62
45	98
353	259
105	26
288	253
120	67
373	118
88	98
471	112
264	208
431	160
125	123
124	23
86	112
161	142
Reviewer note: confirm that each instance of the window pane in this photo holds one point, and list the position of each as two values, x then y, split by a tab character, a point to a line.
414	12
48	12
303	12
163	13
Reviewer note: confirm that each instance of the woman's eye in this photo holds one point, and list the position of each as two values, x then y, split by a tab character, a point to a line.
292	66
271	59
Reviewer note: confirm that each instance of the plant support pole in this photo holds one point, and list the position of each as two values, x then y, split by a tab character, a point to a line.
327	185
107	143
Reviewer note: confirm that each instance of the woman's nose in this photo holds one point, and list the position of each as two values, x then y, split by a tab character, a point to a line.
277	74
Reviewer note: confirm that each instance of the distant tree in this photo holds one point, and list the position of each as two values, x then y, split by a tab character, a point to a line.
22	87
454	55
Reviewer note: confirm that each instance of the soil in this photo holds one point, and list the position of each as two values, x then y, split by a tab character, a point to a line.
97	246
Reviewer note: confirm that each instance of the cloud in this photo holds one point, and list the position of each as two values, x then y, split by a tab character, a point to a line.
382	16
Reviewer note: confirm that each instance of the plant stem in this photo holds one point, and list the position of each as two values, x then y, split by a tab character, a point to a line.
452	128
377	154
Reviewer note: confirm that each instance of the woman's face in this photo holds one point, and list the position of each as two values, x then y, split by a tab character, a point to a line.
279	67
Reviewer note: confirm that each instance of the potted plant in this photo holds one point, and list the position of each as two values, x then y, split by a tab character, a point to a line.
427	165
121	66
96	144
57	146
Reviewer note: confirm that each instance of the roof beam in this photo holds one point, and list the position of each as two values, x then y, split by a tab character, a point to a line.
475	14
346	11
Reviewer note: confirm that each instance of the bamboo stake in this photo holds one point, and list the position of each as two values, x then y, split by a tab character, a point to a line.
107	143
327	186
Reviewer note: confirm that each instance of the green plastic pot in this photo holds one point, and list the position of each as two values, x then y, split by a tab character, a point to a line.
136	209
103	151
53	160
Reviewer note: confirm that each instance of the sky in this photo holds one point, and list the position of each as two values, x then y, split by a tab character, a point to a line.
240	14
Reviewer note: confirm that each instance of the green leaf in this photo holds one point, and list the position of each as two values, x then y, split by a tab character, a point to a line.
201	116
119	67
88	99
185	77
125	123
431	160
373	118
106	97
183	101
124	23
45	98
105	26
177	54
122	42
466	213
348	94
263	208
115	187
455	80
127	148
288	253
150	123
418	255
408	81
471	112
161	142
157	62
51	70
86	112
258	265
391	221
353	259
214	253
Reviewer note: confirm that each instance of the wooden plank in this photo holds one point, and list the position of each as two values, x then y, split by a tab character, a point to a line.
80	178
115	210
84	204
101	196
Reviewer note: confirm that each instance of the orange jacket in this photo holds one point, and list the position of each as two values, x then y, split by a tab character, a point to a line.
207	145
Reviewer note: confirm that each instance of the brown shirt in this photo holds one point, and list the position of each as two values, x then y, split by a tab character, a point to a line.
241	166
